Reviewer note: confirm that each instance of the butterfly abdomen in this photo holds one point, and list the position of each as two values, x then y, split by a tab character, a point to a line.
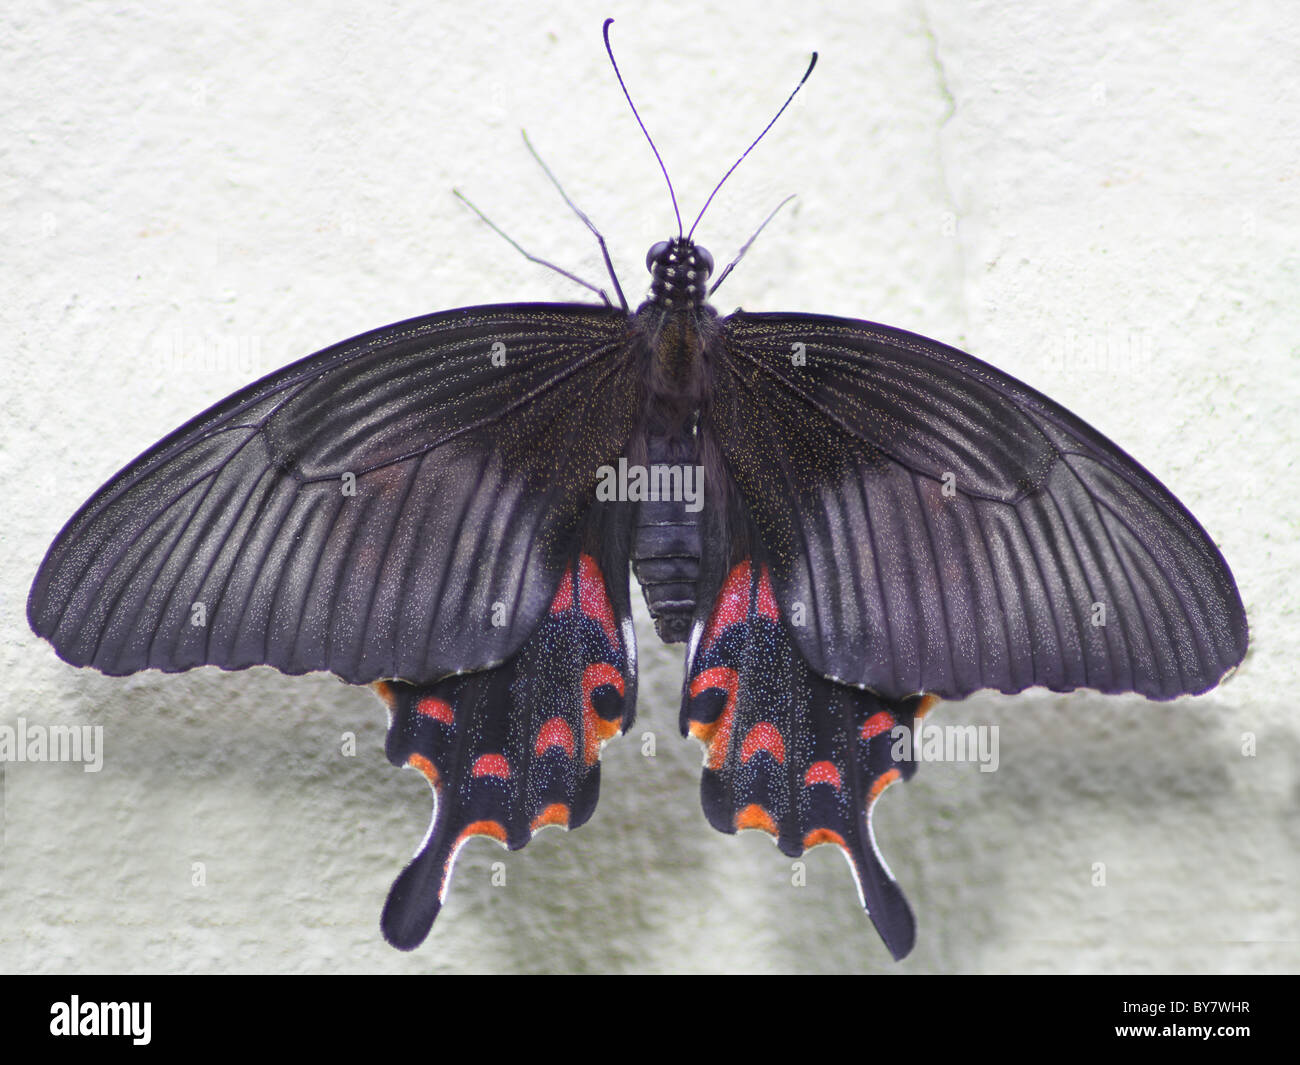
666	542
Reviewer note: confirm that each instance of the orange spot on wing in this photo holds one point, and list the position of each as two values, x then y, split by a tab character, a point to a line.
717	734
926	704
555	732
594	727
426	767
438	709
754	816
492	829
555	814
885	779
385	691
822	773
881	721
491	765
763	737
818	836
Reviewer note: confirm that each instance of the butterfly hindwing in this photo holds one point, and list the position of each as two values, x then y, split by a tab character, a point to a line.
400	505
946	528
787	751
514	749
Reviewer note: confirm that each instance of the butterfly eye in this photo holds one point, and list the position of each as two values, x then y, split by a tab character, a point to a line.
657	252
704	259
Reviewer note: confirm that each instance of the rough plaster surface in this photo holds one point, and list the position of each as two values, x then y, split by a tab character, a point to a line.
1103	199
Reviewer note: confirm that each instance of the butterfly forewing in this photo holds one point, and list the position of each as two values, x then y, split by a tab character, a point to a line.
935	526
401	505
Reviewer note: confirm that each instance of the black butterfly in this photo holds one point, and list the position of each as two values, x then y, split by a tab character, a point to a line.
842	520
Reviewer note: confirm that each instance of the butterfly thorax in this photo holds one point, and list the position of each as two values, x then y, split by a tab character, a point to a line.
677	322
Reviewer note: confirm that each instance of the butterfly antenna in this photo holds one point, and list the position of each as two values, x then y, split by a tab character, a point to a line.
630	104
812	63
533	258
604	251
745	247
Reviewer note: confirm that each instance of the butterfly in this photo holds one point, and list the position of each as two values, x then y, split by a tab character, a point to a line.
842	521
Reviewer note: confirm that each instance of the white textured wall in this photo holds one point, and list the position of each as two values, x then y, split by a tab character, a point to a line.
1125	185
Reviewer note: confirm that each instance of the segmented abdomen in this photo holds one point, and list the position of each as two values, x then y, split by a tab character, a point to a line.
666	540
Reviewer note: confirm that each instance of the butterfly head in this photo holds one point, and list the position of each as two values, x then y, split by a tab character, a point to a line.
679	272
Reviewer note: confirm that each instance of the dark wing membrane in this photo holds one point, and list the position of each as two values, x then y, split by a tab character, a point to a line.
400	505
787	751
934	525
512	750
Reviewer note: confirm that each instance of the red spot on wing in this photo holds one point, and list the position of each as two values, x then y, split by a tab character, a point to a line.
593	600
563	594
818	836
438	709
491	765
555	732
597	675
881	721
732	604
754	816
555	814
717	734
594	727
926	705
763	737
822	773
385	691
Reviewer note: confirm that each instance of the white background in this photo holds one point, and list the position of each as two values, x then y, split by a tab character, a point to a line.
1103	199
